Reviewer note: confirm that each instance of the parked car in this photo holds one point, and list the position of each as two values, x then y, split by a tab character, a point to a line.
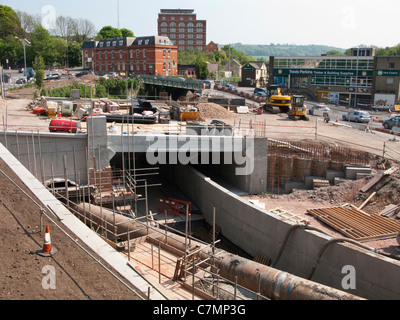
53	76
82	73
21	81
229	86
392	122
256	90
260	94
318	110
357	116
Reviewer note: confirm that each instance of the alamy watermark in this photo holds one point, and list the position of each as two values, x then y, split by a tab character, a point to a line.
49	17
202	147
349	280
49	280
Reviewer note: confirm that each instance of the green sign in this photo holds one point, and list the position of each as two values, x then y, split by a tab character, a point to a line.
393	73
322	72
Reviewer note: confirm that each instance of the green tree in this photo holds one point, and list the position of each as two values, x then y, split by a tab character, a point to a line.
42	45
108	32
202	66
38	66
10	24
126	32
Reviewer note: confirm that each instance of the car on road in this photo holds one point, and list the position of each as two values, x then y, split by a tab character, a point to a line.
260	90
357	116
21	81
392	122
229	86
82	73
318	110
53	76
260	94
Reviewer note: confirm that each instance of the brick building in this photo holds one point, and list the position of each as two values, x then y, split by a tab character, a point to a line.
152	55
183	28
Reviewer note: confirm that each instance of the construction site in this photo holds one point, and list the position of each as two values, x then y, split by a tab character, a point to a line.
147	191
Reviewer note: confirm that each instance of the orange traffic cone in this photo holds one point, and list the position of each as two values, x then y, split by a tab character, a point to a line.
47	250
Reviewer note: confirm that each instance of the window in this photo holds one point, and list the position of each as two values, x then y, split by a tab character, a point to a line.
169	53
121	42
191	25
199	24
131	54
164	30
164	66
112	55
164	24
172	24
199	29
106	55
391	65
144	53
173	36
181	36
137	66
172	30
390	81
137	54
108	43
144	66
114	43
120	54
99	55
101	44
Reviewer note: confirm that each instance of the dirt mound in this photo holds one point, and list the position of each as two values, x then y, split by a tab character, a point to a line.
214	111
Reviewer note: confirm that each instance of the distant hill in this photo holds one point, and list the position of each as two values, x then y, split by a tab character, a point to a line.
265	51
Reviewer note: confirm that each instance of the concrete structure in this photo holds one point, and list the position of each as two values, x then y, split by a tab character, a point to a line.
183	28
360	80
248	226
257	230
154	55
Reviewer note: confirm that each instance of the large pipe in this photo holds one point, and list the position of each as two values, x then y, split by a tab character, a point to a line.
269	282
113	222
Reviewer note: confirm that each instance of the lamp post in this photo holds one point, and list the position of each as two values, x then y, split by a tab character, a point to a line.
24	42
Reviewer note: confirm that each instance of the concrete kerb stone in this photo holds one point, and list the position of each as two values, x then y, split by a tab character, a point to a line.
87	236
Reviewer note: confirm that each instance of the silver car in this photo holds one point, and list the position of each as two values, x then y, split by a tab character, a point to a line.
357	116
318	110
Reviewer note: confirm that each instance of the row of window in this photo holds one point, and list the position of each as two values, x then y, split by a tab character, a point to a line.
324	63
139	67
130	54
342	81
182	30
182	24
188	36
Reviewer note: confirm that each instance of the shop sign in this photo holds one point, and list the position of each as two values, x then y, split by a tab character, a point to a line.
393	73
322	72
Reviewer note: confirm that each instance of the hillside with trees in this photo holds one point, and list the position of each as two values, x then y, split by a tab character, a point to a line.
265	51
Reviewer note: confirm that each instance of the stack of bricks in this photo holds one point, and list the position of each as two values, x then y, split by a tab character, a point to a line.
101	179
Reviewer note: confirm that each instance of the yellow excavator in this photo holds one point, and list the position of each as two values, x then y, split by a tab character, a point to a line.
298	109
276	102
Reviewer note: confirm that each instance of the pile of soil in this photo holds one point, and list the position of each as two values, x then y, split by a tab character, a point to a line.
214	111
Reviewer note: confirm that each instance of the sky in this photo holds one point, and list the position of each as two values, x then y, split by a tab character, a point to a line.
337	23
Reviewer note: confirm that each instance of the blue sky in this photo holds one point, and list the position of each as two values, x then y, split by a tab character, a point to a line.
337	23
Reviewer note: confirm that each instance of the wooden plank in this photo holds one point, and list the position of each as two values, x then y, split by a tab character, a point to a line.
357	224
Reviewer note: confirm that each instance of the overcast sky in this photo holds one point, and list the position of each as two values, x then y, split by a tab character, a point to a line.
338	23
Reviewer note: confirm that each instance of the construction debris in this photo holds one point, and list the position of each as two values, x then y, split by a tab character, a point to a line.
356	224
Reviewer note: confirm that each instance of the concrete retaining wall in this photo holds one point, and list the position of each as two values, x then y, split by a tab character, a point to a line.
256	230
43	153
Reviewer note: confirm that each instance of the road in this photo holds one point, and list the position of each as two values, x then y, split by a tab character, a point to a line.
335	115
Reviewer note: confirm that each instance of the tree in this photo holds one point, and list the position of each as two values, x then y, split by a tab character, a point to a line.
202	66
83	30
28	21
126	32
108	32
42	45
38	66
10	24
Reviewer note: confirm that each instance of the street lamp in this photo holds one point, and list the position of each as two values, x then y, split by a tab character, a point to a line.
24	42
